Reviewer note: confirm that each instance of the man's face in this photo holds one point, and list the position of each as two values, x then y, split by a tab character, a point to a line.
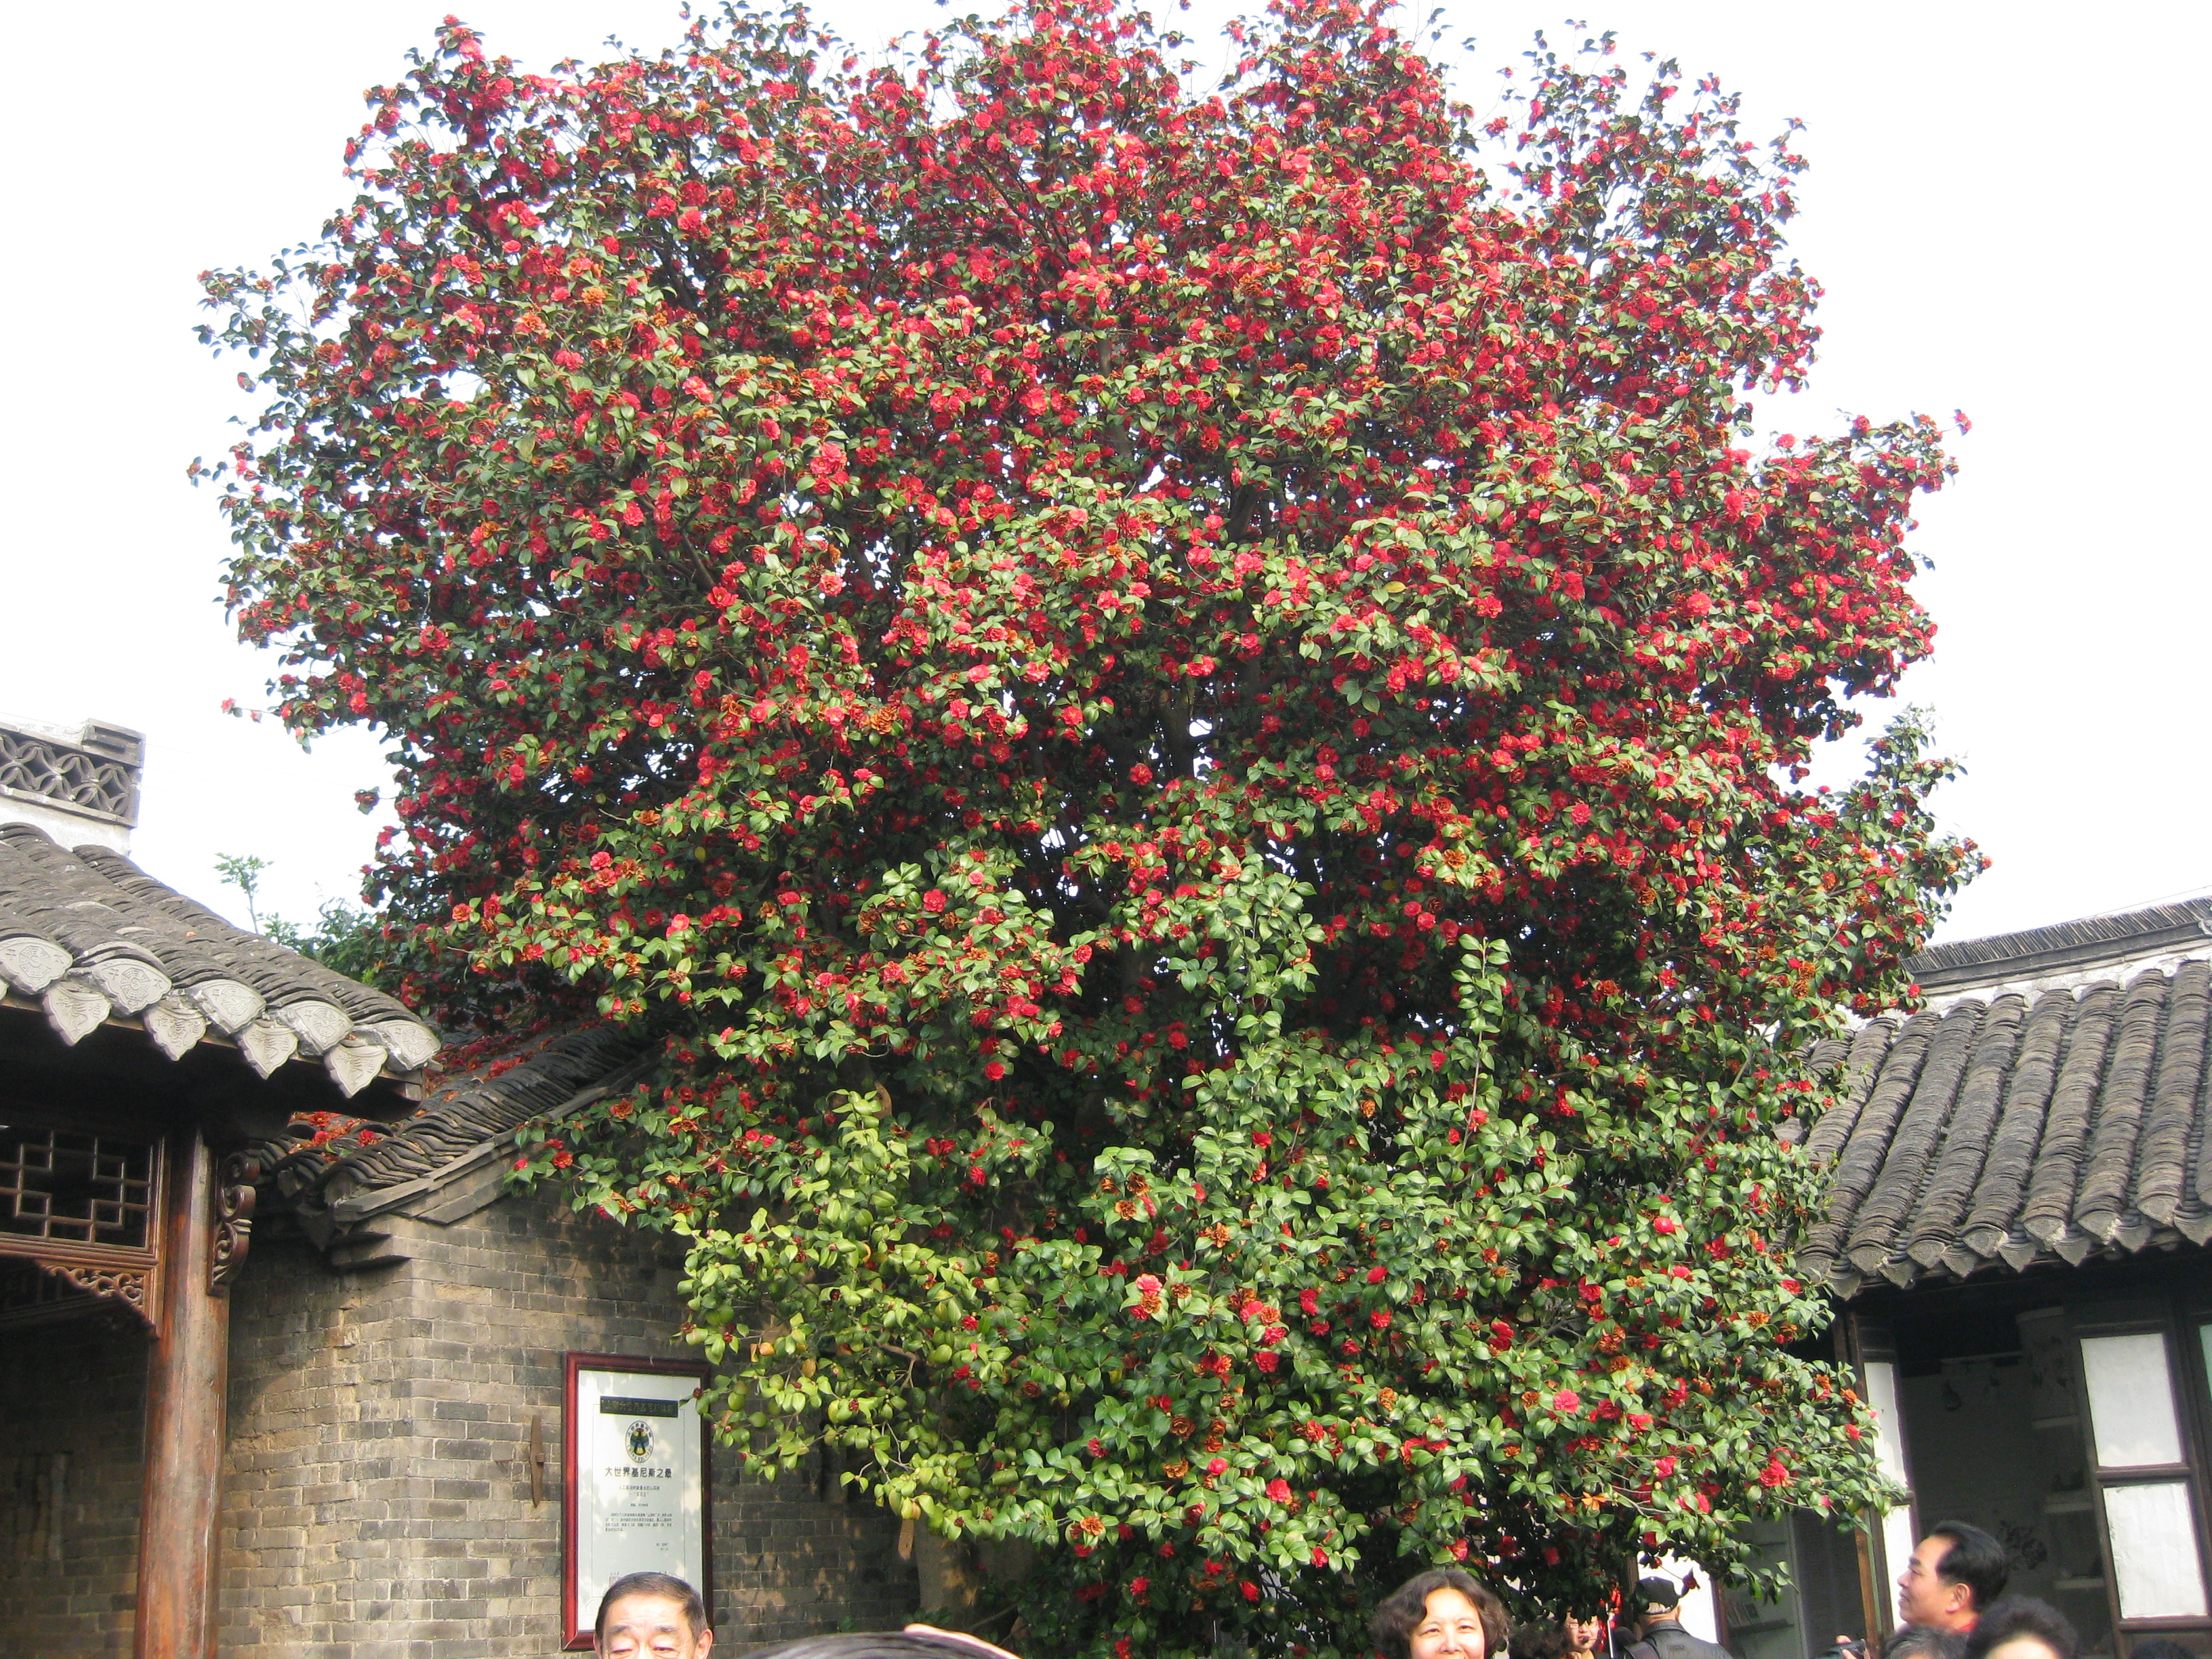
651	1627
1924	1596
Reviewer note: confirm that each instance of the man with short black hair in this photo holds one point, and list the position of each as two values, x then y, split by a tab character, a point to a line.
1659	1603
650	1615
1955	1573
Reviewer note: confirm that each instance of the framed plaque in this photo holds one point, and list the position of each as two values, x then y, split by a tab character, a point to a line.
634	1477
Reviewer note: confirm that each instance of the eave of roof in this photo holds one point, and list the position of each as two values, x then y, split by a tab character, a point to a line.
462	1134
89	938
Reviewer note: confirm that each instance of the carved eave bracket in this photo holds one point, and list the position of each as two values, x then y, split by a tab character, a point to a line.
233	1221
132	1287
65	1283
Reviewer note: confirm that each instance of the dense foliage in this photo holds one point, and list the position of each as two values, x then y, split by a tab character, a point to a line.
1188	715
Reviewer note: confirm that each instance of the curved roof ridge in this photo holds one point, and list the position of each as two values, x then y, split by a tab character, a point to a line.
2082	945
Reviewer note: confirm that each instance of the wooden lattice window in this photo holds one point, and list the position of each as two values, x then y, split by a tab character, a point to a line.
63	1186
80	1204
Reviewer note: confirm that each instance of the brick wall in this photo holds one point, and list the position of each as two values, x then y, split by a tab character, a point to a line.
380	1500
377	1500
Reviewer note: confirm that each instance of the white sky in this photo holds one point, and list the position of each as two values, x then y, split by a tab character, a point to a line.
2003	207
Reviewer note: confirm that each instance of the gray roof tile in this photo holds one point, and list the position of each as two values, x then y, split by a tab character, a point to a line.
2017	1130
2084	948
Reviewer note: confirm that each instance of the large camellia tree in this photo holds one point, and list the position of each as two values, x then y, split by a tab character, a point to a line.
1185	713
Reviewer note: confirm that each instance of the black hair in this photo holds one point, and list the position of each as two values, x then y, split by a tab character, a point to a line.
1974	1559
1926	1641
884	1645
2023	1615
666	1585
1542	1642
1403	1609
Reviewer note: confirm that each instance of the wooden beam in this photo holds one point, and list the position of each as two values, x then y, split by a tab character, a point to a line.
181	1502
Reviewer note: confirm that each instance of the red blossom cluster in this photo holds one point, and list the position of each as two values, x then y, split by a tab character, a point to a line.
1187	707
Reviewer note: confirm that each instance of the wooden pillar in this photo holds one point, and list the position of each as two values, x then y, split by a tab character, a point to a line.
179	1506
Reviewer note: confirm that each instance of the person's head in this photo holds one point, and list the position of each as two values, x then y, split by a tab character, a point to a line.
2021	1627
1441	1612
1658	1599
914	1642
1924	1642
1542	1642
650	1615
1954	1575
1587	1635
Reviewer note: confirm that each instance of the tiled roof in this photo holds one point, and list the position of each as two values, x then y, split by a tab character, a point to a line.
469	1109
90	937
451	1158
2018	1129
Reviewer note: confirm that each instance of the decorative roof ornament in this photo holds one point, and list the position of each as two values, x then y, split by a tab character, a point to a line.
78	784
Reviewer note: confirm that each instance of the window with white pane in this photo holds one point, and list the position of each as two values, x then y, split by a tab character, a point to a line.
2134	1430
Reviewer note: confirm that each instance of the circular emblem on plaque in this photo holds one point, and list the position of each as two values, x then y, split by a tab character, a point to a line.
640	1439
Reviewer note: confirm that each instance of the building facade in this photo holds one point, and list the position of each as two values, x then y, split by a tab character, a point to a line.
258	1399
2020	1193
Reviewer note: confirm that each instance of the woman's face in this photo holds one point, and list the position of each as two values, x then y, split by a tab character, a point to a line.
1585	1633
1450	1625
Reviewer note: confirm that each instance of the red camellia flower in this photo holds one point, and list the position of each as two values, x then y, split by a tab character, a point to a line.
933	902
1217	1466
1566	1400
1279	1490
